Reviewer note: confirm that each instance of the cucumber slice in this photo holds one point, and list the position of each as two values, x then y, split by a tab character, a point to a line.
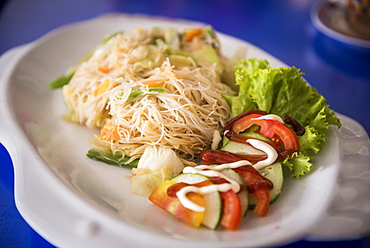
226	141
189	178
244	200
213	213
274	173
243	193
233	175
240	148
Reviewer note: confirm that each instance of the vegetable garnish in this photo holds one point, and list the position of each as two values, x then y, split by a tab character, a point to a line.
111	159
283	138
61	81
283	91
277	113
191	33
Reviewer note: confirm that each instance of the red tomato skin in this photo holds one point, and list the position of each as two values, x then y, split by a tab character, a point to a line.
284	138
287	136
232	211
244	123
271	129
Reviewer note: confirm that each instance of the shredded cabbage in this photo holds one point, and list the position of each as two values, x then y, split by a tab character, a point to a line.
156	165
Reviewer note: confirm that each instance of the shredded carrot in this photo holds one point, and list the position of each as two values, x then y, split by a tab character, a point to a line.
109	133
190	34
153	83
104	69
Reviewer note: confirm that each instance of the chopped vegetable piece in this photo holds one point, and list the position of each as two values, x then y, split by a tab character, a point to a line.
109	133
153	83
139	92
61	81
112	159
108	37
104	69
173	205
157	164
281	135
232	210
191	33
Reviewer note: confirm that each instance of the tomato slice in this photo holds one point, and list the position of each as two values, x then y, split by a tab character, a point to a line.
245	122
173	205
281	135
232	210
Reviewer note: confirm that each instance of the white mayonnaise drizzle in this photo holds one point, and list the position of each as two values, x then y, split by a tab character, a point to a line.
224	166
269	117
213	171
181	194
269	150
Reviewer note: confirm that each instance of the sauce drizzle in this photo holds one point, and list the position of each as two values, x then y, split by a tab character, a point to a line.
215	171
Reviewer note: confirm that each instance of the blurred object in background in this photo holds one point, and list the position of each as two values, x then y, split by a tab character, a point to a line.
359	16
345	20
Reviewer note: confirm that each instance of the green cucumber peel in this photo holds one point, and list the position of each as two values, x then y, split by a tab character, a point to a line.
112	159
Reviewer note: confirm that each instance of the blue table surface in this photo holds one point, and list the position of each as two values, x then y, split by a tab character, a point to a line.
282	28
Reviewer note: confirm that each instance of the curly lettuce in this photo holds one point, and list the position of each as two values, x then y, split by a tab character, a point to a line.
284	92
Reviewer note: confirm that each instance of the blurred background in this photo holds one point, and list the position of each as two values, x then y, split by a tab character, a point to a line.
339	70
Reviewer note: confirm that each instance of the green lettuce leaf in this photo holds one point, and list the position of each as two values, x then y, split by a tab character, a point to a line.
284	92
243	102
299	164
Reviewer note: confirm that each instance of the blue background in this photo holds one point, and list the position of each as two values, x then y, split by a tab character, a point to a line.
282	28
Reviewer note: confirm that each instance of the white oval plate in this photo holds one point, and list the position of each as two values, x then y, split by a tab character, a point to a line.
73	201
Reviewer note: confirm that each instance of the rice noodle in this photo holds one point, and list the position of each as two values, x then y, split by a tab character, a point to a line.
181	112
